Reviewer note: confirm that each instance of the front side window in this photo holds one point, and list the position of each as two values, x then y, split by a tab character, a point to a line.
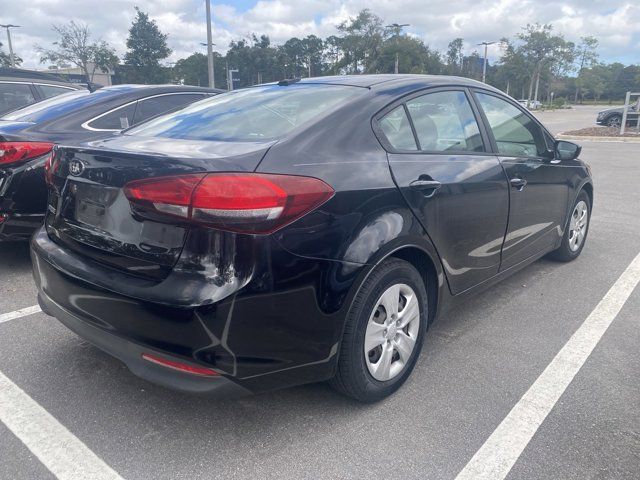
444	122
516	133
396	127
14	96
252	114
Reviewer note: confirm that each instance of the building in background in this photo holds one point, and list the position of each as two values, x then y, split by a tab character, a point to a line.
76	75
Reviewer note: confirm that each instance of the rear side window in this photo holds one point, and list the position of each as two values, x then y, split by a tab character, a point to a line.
252	114
516	133
150	107
444	121
117	119
14	96
49	91
396	127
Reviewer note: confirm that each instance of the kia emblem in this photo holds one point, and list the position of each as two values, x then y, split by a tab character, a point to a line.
76	167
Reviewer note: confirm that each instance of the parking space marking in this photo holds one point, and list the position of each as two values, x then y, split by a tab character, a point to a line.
23	312
55	446
502	449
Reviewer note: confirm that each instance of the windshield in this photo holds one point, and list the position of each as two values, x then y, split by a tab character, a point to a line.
259	113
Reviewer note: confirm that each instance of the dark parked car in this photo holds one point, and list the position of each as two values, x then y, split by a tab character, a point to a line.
27	136
20	88
302	231
612	117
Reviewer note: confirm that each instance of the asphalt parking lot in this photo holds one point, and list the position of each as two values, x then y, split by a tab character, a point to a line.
476	365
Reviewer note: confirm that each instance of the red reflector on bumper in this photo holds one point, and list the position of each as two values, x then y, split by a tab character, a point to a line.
182	367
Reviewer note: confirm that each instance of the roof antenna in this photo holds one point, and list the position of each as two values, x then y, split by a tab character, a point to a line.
288	81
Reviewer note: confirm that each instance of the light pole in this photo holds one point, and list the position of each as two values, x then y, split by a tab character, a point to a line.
11	57
212	79
484	64
397	27
210	70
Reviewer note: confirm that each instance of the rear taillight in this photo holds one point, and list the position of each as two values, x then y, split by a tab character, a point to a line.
239	202
50	167
17	152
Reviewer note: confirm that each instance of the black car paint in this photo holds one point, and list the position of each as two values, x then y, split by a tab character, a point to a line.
605	116
268	311
23	193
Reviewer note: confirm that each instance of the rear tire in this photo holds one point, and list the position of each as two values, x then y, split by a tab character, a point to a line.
575	233
384	332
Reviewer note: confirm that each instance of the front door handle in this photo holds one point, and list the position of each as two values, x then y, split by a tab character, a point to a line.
428	187
518	183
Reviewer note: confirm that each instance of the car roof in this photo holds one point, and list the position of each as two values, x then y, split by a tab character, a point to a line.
372	80
21	75
168	88
102	99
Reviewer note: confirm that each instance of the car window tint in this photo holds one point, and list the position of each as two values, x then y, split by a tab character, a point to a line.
49	91
118	119
515	132
251	114
396	127
444	122
15	95
150	107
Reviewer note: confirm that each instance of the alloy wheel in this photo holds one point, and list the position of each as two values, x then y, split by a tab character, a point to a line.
614	121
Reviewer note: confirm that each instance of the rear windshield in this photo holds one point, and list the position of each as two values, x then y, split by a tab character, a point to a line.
259	113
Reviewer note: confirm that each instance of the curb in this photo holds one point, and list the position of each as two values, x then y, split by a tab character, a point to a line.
592	138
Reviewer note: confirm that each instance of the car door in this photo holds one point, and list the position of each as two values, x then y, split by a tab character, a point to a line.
539	185
437	152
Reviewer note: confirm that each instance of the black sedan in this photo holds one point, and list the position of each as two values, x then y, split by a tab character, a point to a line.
612	117
302	231
27	136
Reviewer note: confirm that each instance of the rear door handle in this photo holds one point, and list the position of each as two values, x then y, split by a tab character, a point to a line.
518	183
428	187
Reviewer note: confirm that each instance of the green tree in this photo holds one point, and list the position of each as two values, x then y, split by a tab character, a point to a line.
547	54
587	57
75	47
146	45
360	43
455	56
5	58
192	70
413	56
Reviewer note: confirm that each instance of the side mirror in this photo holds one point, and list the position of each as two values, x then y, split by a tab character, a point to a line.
567	150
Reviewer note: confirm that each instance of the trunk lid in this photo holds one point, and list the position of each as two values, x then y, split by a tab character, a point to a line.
89	213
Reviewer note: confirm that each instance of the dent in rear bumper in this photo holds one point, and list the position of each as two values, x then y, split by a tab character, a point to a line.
130	354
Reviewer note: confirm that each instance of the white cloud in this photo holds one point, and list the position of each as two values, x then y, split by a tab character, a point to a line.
616	23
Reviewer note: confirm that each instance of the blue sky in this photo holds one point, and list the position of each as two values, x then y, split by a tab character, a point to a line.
615	22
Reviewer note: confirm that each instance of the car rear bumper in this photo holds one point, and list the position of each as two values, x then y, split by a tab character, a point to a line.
272	333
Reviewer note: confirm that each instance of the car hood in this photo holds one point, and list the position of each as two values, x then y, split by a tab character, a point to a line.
611	110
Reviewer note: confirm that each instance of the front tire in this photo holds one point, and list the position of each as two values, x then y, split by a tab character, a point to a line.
383	334
575	233
614	121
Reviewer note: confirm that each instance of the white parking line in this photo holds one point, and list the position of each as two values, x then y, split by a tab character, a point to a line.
55	446
5	317
502	449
